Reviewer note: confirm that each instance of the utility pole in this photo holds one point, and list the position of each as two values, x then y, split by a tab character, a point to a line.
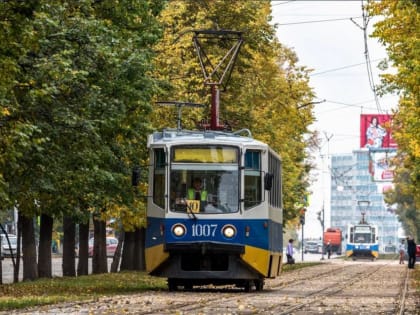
321	217
302	223
321	214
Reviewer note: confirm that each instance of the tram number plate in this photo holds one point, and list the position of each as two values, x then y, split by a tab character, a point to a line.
206	230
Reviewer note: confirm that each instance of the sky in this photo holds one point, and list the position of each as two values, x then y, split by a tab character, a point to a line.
326	40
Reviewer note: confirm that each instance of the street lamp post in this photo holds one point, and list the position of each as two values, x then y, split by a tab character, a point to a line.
302	245
328	138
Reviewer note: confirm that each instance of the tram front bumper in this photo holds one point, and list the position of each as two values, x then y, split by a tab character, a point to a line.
205	261
204	248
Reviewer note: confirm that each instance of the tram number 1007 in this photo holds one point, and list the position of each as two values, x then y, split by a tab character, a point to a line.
206	230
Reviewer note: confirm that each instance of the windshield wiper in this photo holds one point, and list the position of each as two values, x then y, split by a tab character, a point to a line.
190	212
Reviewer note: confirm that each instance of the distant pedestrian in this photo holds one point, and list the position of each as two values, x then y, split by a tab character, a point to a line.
329	249
411	250
402	252
289	252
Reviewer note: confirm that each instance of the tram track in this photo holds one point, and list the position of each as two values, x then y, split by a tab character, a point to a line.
337	287
403	295
316	300
321	294
229	300
231	292
305	277
290	299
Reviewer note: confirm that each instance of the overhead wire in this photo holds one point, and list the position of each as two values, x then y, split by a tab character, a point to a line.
344	105
280	3
318	21
367	57
368	61
340	68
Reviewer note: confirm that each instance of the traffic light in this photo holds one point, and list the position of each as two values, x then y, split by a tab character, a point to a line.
302	216
302	219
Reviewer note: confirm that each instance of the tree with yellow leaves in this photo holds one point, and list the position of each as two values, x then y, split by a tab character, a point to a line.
264	94
399	32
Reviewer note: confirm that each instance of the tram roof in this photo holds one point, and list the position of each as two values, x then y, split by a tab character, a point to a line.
197	136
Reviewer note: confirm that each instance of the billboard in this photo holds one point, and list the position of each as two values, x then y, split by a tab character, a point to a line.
376	131
380	166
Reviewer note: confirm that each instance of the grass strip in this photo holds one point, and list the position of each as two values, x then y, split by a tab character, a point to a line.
67	289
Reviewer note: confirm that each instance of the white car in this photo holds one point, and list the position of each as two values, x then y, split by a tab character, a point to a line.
111	246
313	247
6	250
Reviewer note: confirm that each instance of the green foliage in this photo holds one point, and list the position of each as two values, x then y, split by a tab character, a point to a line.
75	102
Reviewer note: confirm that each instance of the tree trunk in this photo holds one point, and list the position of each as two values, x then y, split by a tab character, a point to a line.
99	258
83	264
30	270
139	259
127	262
44	247
117	255
69	244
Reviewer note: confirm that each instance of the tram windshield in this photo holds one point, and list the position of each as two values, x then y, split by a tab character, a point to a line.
362	234
204	179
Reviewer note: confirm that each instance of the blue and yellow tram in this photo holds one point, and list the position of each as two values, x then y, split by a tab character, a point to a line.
362	241
229	234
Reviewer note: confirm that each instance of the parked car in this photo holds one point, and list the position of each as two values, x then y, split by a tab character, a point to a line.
111	246
390	249
313	247
6	250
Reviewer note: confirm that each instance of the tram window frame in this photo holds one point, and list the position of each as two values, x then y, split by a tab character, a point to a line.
159	176
252	178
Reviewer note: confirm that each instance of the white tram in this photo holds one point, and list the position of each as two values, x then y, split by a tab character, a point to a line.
362	241
232	233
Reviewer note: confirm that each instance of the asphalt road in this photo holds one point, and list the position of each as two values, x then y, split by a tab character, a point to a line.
57	271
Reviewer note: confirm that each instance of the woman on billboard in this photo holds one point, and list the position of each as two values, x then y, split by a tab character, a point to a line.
375	134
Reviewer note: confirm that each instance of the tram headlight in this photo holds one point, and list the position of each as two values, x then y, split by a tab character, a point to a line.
229	231
179	230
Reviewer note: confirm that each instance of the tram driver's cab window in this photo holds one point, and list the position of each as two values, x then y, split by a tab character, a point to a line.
204	192
252	179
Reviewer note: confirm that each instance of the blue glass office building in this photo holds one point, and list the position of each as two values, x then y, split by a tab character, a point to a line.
354	190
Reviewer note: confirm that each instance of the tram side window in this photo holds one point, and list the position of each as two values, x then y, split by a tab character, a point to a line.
159	178
275	195
252	178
